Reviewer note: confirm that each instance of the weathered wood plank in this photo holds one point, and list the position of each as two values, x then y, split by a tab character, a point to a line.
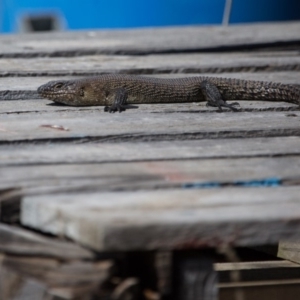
12	88
289	250
15	287
60	153
256	265
83	178
152	64
168	219
19	241
44	105
61	277
134	126
139	41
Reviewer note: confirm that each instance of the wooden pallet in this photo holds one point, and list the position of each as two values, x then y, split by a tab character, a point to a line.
160	201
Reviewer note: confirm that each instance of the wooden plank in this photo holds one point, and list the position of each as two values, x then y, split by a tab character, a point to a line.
152	64
14	287
255	265
141	41
12	88
19	241
43	105
84	153
61	277
168	219
101	126
185	174
290	250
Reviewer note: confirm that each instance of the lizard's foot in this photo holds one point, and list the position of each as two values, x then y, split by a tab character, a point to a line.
214	97
221	103
119	102
115	107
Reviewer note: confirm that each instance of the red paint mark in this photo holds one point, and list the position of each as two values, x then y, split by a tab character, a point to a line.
168	171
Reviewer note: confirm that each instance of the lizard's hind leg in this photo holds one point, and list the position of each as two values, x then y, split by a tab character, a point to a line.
214	98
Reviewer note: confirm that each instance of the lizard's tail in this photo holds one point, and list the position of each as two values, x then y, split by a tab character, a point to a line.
236	89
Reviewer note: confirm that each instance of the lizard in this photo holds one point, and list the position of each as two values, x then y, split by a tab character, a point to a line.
116	91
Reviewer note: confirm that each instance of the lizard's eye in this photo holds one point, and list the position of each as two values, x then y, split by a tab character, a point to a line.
58	85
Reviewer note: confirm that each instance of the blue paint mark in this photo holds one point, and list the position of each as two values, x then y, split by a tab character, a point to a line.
266	182
201	185
273	181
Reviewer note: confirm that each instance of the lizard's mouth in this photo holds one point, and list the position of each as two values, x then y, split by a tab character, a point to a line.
44	92
47	91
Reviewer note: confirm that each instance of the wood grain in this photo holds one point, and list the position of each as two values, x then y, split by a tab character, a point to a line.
101	153
152	64
19	241
86	178
98	125
168	218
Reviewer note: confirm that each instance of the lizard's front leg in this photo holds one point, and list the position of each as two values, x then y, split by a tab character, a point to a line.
214	98
118	102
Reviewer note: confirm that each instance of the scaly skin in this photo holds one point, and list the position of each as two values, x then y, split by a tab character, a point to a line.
128	89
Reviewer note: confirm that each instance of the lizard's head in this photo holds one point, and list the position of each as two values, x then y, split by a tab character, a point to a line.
62	91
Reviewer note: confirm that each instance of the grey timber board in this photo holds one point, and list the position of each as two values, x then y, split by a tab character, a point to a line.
157	174
136	126
74	153
43	106
152	64
150	40
12	88
19	241
289	250
168	219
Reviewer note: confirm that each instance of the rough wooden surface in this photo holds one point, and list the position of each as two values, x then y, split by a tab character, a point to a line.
14	240
143	41
76	153
102	126
43	179
65	279
168	218
85	178
152	64
289	249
